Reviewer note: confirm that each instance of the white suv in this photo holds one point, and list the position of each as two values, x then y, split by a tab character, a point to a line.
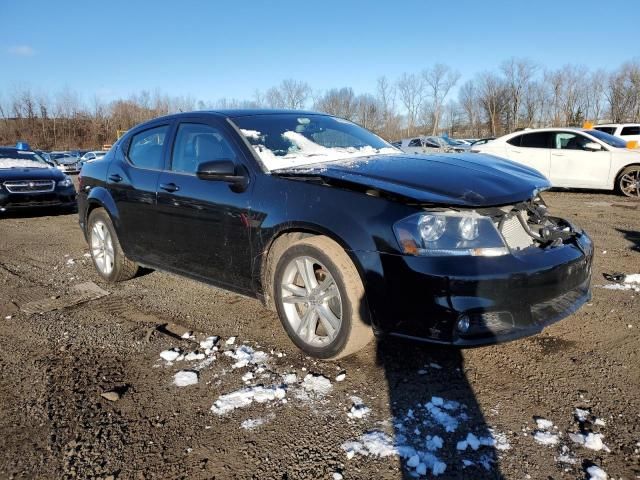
626	131
572	157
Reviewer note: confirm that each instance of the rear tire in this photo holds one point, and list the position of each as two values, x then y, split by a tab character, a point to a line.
107	254
320	299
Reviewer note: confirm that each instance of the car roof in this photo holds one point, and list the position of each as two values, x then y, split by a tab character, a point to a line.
617	124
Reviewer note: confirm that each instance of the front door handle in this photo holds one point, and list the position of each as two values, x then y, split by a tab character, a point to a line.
558	154
115	177
169	187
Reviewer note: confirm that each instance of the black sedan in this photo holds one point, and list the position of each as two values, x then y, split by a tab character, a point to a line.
27	181
343	234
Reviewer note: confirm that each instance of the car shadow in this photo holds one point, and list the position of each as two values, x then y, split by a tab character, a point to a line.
436	426
631	236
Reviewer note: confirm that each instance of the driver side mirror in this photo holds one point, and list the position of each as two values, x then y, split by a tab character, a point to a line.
224	171
592	146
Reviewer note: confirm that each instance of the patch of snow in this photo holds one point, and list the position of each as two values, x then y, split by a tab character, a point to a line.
546	438
337	476
230	341
449	423
592	441
252	423
185	378
245	355
21	163
435	365
190	357
581	414
358	409
289	378
318	384
247	376
209	342
544	424
170	355
600	422
245	397
596	473
340	377
187	335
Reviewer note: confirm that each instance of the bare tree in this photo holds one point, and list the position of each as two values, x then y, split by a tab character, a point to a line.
439	81
340	102
518	75
289	94
411	90
493	98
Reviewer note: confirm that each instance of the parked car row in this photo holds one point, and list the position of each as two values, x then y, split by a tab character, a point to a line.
432	144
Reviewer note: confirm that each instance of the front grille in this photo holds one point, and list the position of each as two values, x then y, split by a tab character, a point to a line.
514	234
29	186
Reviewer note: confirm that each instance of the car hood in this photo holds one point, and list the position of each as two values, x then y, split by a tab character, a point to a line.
463	179
22	173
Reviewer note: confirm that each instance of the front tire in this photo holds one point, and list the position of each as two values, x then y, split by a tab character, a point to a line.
628	183
320	299
107	255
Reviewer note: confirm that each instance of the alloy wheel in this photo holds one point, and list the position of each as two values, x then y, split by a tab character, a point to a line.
311	301
102	248
630	183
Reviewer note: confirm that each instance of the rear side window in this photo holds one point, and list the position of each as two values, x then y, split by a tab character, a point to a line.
609	130
515	141
536	140
631	130
415	143
145	149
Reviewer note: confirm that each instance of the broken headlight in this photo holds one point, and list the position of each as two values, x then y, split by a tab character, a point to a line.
435	234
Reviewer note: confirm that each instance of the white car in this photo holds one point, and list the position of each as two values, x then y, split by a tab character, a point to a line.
572	157
93	155
626	131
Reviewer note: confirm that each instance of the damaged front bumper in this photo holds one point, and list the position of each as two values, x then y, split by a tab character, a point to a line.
476	301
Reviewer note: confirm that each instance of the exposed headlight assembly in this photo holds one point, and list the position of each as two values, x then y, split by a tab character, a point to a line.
438	234
65	182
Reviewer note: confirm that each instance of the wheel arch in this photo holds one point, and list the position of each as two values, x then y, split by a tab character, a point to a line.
619	173
281	239
100	198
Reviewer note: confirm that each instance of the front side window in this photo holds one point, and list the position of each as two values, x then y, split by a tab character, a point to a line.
197	143
635	130
415	143
291	140
536	140
570	141
145	149
608	139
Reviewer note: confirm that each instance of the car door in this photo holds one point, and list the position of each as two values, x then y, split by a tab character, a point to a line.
204	224
574	164
531	149
132	181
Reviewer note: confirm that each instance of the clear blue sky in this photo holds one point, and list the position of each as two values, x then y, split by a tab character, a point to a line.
212	49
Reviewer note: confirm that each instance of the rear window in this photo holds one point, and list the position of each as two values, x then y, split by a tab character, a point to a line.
609	130
635	130
145	149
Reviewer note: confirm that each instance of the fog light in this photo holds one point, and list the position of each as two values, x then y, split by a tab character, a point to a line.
463	324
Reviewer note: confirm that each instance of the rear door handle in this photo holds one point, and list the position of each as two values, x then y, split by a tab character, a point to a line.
169	187
115	177
558	154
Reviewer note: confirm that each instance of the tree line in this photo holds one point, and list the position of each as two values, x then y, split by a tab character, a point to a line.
518	94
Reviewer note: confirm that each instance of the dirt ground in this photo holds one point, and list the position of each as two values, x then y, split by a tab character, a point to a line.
55	366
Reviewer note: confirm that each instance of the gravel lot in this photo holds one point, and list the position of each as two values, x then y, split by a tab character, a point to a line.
55	366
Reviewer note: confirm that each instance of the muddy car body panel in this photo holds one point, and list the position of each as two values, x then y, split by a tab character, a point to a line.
221	233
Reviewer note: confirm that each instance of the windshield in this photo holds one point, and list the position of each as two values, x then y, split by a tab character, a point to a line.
293	140
21	159
608	139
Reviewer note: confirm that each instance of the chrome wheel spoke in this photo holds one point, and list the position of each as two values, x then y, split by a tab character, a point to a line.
305	269
311	301
329	321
